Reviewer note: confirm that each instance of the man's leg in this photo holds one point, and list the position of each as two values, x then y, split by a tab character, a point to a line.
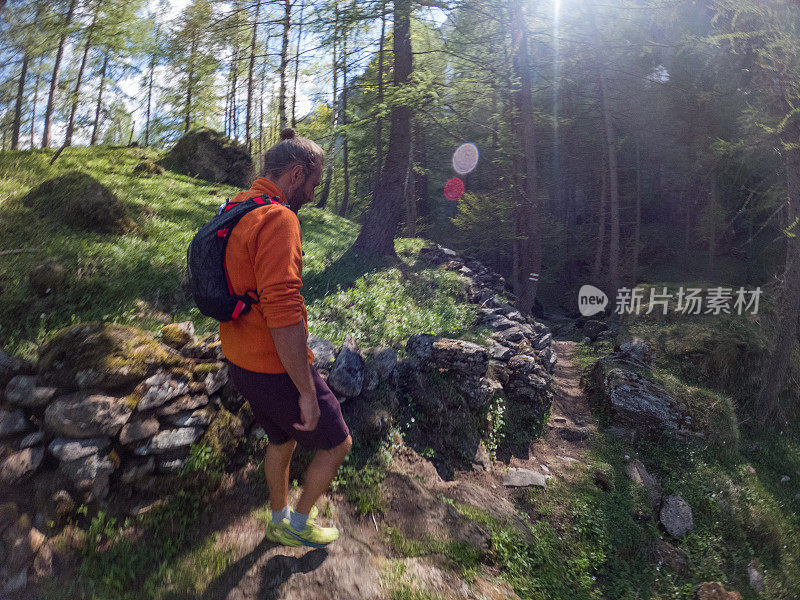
320	473
276	470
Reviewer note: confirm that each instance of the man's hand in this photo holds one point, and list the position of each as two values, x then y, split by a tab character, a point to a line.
309	413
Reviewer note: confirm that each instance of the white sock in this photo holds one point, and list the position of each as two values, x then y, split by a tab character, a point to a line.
279	515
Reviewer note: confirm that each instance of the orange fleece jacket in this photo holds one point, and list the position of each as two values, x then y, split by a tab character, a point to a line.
264	254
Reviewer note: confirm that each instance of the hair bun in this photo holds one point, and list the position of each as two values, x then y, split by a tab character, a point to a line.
288	134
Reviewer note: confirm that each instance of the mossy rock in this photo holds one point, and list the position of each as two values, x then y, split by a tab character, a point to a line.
225	433
209	155
103	355
148	167
79	201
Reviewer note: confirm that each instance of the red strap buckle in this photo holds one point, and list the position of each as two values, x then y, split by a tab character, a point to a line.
223	232
240	306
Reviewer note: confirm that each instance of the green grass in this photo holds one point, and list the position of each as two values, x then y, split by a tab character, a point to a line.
135	278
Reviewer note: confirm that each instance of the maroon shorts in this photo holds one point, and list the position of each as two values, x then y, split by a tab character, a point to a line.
273	398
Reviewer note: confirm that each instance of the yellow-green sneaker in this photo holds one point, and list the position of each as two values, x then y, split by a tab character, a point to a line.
277	532
313	535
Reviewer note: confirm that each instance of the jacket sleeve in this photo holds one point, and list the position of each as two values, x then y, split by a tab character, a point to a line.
278	267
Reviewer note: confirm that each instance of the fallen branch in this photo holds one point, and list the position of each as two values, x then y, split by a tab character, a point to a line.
17	251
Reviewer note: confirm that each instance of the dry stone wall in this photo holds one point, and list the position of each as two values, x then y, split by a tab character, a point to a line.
108	408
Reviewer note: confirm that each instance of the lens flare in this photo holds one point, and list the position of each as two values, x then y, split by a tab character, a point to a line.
453	189
465	158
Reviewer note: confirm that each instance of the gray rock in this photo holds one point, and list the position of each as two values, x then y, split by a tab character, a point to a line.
12	422
512	334
17	582
170	465
64	449
528	380
592	328
500	323
543	341
182	404
755	577
574	434
136	470
19	390
11	366
347	374
383	360
21	465
160	388
371	379
638	351
138	429
82	415
500	352
676	516
524	478
478	393
177	335
324	353
198	418
460	356
638	473
635	402
89	474
420	346
214	381
32	439
169	439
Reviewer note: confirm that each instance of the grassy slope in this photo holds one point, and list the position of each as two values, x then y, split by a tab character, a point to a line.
120	278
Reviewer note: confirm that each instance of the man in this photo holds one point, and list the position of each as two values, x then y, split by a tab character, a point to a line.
270	363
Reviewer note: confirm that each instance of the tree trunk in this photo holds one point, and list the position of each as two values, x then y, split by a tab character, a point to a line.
99	100
287	22
345	151
776	369
613	187
81	69
410	200
638	223
35	102
712	225
329	158
421	196
379	123
190	86
153	61
250	71
601	226
383	217
18	104
527	244
297	64
234	125
51	98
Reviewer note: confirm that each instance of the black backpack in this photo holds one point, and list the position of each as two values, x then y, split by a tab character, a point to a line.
205	260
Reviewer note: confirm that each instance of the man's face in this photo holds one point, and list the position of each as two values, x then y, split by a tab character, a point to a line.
304	192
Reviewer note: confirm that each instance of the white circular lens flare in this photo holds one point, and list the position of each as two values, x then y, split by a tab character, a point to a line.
465	158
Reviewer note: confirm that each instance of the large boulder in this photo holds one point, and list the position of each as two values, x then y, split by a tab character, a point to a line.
23	391
676	516
324	353
428	351
20	465
82	415
79	201
347	374
633	401
210	155
528	381
102	356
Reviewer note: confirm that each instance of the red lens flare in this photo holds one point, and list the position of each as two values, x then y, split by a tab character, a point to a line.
453	189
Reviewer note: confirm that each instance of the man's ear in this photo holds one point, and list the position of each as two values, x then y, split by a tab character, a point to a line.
297	174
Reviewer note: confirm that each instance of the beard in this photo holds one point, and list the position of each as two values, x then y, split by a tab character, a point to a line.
297	197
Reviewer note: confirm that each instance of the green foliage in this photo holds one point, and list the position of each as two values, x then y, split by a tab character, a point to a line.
202	457
483	227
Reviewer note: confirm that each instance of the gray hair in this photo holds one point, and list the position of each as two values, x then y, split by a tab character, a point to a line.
290	151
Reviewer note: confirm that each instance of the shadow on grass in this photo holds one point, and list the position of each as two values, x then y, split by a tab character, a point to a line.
344	272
